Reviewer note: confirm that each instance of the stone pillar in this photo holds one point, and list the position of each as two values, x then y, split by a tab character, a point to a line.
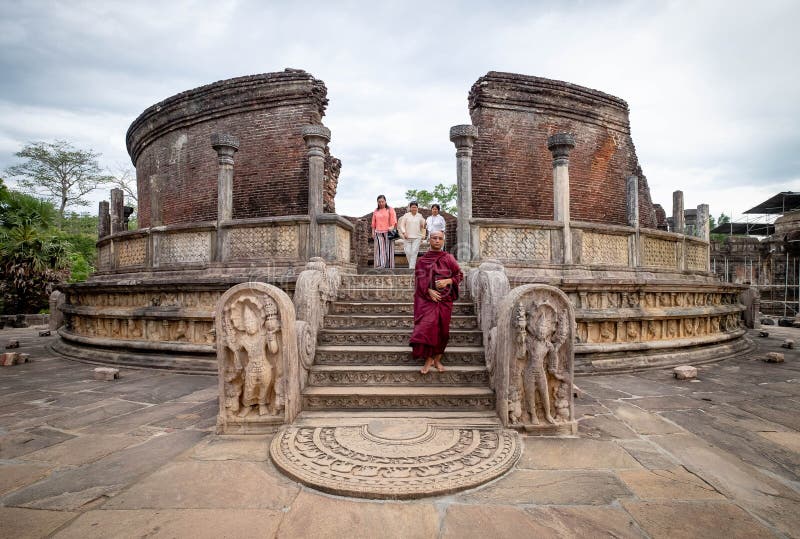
678	218
633	219
703	230
463	136
226	146
316	137
104	220
560	145
117	210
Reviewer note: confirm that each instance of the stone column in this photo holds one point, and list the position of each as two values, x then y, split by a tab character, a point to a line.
633	219
104	220
117	210
463	136
316	137
560	145
678	218
226	146
703	230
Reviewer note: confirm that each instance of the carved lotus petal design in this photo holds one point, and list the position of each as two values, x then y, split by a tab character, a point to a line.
394	460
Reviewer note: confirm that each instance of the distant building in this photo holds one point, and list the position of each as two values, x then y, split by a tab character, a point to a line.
763	254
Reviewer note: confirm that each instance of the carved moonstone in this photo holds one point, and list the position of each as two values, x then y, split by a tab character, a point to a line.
257	359
394	460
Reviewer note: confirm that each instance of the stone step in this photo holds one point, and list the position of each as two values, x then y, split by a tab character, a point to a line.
367	375
397	398
403	321
367	337
393	355
387	293
456	418
378	280
386	307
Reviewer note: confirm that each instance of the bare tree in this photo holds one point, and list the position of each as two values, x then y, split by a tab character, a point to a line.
124	177
58	171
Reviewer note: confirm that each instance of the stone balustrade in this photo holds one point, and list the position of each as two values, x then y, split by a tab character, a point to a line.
522	242
276	241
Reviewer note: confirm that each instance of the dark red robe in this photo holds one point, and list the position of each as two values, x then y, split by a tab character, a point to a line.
432	318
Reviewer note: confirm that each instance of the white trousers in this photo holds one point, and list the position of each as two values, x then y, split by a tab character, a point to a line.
411	247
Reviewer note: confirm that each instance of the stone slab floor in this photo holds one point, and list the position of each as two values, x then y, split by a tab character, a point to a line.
655	457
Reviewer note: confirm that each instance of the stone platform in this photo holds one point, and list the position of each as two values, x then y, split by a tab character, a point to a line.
654	457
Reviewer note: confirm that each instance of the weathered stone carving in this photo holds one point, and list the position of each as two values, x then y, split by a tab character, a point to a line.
57	300
401	460
535	360
488	285
257	359
315	289
514	243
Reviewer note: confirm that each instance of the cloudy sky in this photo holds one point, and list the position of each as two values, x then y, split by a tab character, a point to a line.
713	86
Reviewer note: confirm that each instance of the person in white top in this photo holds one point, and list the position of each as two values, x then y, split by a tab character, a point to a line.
412	228
435	223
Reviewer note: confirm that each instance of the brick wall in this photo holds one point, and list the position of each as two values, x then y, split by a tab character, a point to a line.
512	167
170	146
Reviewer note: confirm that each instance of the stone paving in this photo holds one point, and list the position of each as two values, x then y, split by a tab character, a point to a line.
655	457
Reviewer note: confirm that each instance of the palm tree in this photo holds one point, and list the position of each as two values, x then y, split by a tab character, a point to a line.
32	260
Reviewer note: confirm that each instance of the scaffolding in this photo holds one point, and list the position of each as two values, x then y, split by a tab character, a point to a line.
771	265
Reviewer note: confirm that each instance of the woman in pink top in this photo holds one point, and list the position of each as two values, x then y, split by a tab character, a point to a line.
383	220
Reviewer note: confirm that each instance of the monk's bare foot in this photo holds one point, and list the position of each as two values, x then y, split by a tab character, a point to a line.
427	367
439	366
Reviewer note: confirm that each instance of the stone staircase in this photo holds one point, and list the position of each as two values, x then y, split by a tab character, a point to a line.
363	361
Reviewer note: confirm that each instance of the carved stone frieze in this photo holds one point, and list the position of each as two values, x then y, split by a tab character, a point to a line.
186	247
263	242
423	460
180	331
390	322
514	243
697	257
659	253
604	249
402	378
443	402
341	307
633	331
457	338
104	257
131	252
257	357
370	356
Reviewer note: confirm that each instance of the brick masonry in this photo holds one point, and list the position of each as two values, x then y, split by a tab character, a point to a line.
512	167
176	167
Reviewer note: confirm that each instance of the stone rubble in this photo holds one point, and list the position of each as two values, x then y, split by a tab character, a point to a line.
685	372
106	373
774	357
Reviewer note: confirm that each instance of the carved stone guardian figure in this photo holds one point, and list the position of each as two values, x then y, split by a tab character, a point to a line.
535	360
258	359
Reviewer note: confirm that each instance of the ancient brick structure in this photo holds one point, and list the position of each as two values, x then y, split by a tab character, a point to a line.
512	169
176	168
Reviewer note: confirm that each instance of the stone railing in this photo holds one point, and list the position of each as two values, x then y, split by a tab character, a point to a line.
521	242
316	287
278	240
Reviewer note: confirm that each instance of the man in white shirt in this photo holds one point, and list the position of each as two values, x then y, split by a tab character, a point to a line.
412	228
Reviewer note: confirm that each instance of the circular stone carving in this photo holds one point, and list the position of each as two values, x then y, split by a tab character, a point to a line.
383	462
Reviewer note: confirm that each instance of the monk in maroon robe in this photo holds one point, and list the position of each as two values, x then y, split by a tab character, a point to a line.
437	276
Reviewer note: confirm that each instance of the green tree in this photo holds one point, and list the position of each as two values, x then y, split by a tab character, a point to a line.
58	171
32	259
444	195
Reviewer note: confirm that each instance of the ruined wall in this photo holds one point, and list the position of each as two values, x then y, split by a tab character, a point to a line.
512	167
176	167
